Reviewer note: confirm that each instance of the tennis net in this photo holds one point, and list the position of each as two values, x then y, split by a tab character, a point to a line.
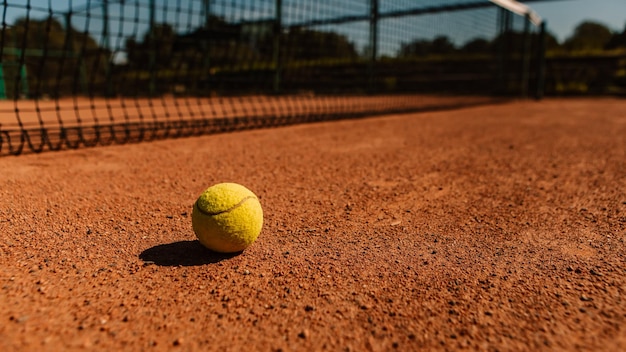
96	72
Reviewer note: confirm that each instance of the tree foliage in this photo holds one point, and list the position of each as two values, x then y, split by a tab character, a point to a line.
218	43
618	40
62	60
57	59
509	42
226	44
588	36
476	46
440	45
307	44
159	40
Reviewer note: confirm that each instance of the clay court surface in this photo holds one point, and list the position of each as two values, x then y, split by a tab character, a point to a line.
499	227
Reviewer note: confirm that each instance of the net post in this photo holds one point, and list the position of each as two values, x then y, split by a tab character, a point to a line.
69	43
278	29
206	48
107	48
20	53
206	8
373	44
152	49
525	57
504	27
541	64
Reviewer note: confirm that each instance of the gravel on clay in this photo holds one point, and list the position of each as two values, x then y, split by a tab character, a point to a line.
499	227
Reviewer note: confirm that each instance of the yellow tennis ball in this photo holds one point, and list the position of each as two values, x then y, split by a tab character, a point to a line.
227	218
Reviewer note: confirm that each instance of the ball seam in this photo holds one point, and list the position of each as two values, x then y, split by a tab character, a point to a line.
224	211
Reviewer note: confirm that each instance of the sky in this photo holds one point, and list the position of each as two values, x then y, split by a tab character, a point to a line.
563	16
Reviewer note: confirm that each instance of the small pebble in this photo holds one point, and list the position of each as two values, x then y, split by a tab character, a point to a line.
22	319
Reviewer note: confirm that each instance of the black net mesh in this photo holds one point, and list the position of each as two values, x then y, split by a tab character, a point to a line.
88	72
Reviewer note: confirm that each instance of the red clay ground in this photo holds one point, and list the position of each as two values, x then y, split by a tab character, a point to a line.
493	228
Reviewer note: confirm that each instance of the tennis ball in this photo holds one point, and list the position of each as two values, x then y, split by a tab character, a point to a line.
227	218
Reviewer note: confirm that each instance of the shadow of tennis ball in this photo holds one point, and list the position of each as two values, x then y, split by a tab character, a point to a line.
183	253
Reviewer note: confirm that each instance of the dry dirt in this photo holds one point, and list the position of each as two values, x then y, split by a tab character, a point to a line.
499	227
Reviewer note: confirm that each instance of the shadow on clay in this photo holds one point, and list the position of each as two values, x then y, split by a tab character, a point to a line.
183	253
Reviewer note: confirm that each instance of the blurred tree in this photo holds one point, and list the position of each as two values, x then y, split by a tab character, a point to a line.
512	40
551	43
477	46
160	39
420	47
588	36
58	60
618	40
307	44
509	41
442	45
219	42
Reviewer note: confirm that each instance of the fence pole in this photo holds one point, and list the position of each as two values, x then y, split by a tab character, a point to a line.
278	30
503	39
373	44
207	12
541	65
152	50
206	50
525	57
107	48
